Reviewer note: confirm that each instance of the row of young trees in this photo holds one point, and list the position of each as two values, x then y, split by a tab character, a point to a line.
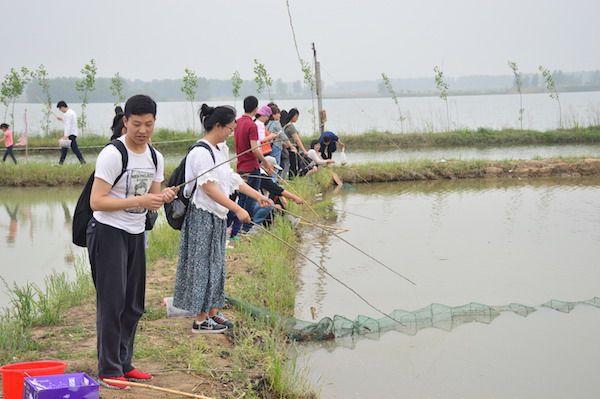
13	86
442	85
14	83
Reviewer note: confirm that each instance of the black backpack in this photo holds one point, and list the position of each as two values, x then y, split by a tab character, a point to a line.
83	211
176	210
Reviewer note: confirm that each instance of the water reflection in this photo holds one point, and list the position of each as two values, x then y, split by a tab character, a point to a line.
490	241
36	224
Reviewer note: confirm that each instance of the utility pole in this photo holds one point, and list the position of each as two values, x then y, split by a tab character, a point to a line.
322	115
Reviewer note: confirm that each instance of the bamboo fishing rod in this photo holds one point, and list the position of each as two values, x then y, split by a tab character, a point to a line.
296	250
155	388
352	245
219	164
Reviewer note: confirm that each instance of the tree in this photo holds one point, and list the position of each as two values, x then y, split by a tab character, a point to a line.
11	88
85	86
262	78
518	82
236	85
41	76
442	86
189	87
116	88
553	93
388	85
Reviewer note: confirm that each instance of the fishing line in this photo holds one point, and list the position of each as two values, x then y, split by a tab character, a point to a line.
220	164
352	245
326	272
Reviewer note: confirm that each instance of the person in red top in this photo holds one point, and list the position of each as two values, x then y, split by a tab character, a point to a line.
250	157
9	142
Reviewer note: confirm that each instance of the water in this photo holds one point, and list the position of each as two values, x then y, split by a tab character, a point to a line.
35	234
356	115
493	242
353	157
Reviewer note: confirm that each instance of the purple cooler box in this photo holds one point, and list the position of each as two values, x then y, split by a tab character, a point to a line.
62	386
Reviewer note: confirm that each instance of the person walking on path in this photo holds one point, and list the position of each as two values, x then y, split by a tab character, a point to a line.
115	238
200	279
245	138
9	142
69	119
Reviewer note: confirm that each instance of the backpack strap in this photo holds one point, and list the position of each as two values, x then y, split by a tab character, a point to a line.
125	157
212	155
203	145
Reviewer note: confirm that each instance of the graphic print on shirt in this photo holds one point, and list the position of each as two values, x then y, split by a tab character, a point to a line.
137	184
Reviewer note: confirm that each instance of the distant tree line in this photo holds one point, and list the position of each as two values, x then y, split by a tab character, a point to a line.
170	89
161	89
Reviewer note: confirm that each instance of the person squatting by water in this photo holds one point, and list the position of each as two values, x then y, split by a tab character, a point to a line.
9	142
69	119
115	238
200	279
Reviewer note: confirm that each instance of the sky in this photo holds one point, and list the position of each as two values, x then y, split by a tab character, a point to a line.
356	40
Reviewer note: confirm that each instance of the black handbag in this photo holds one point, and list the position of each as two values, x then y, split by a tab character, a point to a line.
151	217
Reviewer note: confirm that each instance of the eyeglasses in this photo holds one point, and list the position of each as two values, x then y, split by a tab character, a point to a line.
230	127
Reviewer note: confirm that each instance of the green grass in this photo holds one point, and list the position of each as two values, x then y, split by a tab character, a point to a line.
31	305
461	169
171	141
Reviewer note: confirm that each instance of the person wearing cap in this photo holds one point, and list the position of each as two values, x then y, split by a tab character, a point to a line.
276	193
262	116
69	119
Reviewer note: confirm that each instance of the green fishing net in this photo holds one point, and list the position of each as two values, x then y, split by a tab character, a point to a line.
407	322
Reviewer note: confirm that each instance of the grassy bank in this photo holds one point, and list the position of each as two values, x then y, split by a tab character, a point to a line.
468	169
178	141
252	361
45	174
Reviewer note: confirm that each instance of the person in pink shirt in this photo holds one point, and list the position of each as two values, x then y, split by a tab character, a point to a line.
9	142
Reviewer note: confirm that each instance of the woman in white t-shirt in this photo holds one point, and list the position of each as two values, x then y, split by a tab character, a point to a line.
200	280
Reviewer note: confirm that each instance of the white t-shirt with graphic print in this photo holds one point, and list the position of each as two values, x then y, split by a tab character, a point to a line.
136	181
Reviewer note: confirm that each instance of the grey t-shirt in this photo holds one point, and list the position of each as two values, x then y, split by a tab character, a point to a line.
290	130
275	127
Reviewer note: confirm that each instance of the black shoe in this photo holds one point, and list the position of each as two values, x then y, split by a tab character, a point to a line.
208	326
219	318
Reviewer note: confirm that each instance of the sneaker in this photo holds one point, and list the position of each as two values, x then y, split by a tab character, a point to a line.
110	385
219	318
137	375
208	326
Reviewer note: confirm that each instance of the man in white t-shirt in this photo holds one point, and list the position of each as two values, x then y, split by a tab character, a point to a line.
115	238
69	119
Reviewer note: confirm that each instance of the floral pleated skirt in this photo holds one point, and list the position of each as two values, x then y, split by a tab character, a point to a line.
200	280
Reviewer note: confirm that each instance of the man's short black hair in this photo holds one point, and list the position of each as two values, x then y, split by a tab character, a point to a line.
140	104
61	104
4	126
250	104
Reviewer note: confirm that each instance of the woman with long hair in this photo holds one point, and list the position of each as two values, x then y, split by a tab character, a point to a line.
200	280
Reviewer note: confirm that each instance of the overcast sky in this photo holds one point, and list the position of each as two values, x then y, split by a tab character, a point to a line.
356	40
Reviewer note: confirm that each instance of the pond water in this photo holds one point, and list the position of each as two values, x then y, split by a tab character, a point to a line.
494	153
357	115
491	242
35	235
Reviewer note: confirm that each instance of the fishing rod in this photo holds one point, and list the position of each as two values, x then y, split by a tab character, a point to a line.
352	245
327	273
220	164
355	214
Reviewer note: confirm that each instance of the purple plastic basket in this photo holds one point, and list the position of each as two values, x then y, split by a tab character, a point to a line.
62	386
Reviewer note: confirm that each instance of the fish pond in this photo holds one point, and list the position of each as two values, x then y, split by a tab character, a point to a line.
511	268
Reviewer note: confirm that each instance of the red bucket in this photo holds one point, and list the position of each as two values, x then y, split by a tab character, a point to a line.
14	374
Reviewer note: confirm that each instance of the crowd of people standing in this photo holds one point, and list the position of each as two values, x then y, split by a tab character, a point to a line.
222	202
